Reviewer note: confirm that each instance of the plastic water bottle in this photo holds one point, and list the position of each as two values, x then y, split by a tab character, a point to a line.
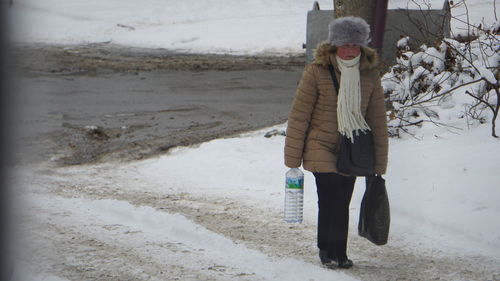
294	195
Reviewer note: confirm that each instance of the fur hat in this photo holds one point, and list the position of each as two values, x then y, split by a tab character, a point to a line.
346	30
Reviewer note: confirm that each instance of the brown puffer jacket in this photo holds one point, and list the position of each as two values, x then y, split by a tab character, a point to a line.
312	136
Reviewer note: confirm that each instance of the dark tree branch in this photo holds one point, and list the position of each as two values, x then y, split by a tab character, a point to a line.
443	94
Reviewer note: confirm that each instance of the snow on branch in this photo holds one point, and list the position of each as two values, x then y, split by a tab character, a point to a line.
454	84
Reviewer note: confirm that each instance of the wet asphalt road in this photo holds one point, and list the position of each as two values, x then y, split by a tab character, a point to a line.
75	119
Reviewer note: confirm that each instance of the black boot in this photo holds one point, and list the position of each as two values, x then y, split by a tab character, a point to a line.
345	263
323	256
334	263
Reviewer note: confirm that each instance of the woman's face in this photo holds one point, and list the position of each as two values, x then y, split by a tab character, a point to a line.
348	51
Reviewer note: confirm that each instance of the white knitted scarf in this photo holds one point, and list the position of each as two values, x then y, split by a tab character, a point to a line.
349	116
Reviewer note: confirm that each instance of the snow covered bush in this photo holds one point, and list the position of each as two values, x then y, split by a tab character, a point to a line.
453	84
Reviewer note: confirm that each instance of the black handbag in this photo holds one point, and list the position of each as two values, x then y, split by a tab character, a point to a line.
374	215
355	158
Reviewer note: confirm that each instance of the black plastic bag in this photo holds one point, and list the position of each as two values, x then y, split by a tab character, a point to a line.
374	215
357	158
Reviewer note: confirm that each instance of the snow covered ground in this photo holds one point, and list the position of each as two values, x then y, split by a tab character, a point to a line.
444	183
210	26
214	212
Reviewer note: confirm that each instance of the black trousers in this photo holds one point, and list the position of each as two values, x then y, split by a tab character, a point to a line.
334	196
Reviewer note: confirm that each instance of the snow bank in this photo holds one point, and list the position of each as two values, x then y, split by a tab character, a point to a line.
211	26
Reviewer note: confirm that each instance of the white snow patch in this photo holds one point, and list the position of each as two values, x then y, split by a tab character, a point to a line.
210	26
158	228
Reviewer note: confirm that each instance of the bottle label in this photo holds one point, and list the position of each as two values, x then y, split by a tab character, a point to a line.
295	183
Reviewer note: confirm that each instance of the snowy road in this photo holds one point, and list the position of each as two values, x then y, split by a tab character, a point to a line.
84	104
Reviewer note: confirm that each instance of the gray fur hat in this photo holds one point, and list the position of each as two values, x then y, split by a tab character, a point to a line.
346	30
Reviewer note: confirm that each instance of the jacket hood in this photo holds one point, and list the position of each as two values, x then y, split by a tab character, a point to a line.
324	55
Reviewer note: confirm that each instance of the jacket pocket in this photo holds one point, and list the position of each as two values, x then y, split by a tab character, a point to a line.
328	141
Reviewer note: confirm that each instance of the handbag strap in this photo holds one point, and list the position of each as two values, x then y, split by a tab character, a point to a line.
334	78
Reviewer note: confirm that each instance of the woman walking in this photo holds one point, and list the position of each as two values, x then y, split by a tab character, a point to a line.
320	115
